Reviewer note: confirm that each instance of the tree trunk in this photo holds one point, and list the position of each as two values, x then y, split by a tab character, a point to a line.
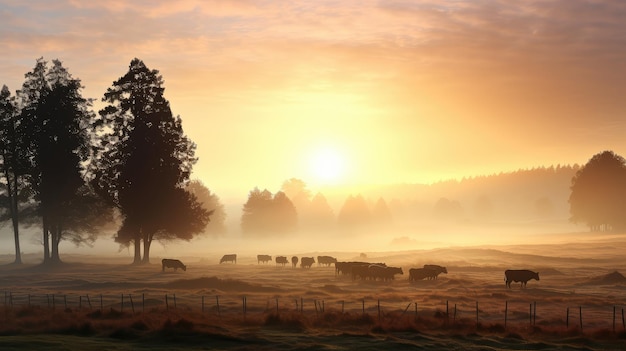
15	218
147	241
46	244
137	240
55	240
13	209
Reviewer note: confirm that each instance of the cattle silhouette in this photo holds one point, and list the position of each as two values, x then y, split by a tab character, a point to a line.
170	263
294	261
229	258
519	275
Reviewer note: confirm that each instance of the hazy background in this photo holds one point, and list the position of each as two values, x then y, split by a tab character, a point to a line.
352	95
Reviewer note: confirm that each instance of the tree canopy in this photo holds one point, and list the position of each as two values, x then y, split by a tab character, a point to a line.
598	193
144	161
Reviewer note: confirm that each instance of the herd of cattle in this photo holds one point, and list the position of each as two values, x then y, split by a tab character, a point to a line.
363	270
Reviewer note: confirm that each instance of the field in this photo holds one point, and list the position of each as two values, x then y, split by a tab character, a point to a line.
104	303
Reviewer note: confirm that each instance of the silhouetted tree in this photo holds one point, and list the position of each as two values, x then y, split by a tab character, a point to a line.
354	212
267	214
210	202
55	122
380	213
598	196
11	165
144	161
321	215
285	216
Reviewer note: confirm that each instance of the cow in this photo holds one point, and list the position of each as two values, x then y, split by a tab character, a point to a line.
325	260
360	271
346	267
294	261
421	273
519	275
437	269
229	258
281	260
382	272
307	262
169	263
263	258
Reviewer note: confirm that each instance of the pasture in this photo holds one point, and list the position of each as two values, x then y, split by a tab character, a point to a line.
249	305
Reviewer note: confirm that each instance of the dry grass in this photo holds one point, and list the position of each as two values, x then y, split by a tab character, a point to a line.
336	309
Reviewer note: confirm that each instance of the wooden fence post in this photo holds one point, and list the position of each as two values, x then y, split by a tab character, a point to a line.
167	304
535	313
132	305
122	305
567	319
613	319
580	309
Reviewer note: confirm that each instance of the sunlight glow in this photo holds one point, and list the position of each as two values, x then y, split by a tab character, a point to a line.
327	165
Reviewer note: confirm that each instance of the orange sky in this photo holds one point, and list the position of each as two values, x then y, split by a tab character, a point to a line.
402	91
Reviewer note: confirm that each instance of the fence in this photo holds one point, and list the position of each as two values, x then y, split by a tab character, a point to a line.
466	312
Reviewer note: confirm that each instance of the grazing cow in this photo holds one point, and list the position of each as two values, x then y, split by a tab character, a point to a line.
519	275
281	260
307	262
229	258
263	258
421	273
169	263
437	269
346	267
325	260
294	261
360	271
384	273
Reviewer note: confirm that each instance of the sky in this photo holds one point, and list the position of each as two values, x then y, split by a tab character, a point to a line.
351	92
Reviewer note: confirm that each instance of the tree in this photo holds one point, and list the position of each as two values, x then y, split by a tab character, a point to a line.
255	216
265	213
10	167
321	215
598	193
354	212
54	127
144	161
210	202
380	213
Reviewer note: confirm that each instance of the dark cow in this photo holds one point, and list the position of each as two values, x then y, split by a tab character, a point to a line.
360	271
229	258
326	260
383	273
169	263
421	273
519	275
307	262
281	260
346	267
294	261
437	269
263	258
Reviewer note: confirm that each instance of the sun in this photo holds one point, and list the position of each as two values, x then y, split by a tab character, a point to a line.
327	165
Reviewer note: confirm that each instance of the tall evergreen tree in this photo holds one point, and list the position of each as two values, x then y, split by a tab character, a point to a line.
10	167
55	126
144	162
